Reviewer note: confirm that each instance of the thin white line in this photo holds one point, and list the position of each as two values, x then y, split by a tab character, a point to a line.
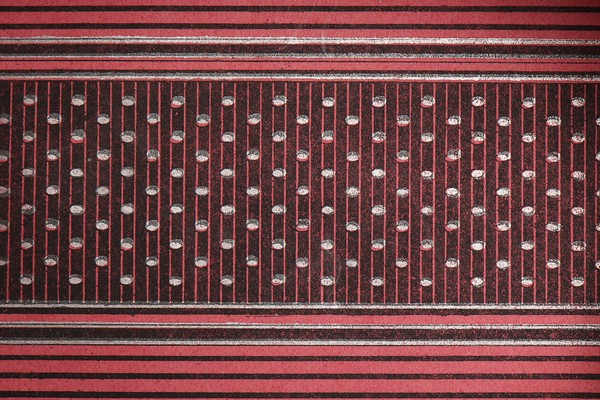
224	76
312	306
255	326
307	342
234	56
292	40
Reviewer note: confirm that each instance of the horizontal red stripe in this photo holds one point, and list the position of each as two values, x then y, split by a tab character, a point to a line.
302	385
302	367
275	17
141	350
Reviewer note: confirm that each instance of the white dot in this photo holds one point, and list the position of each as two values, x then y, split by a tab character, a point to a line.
177	136
127	136
378	137
503	121
553	121
302	119
426	282
478	174
227	173
503	192
553	193
76	209
29	99
152	155
252	261
126	244
278	280
175	281
352	191
528	175
176	244
278	136
452	263
453	120
552	264
4	225
302	191
278	209
352	156
403	120
177	101
103	155
253	191
553	157
402	156
327	210
453	193
378	244
227	209
252	224
578	138
453	155
75	279
152	190
27	244
302	225
152	225
252	155
202	156
76	173
402	192
427	211
527	245
528	102
427	175
401	263
26	279
327	244
577	102
278	244
352	120
201	262
29	136
53	119
279	100
379	101
478	211
328	102
578	211
101	261
577	281
351	263
477	282
352	226
327	281
377	281
102	225
127	172
27	209
176	208
227	244
503	226
528	137
4	119
378	173
528	211
402	226
227	101
578	175
427	137
202	120
328	173
378	210
578	245
502	264
50	261
553	226
477	137
503	156
51	224
77	136
478	245
126	280
477	101
427	101
254	119
128	101
153	118
4	156
279	172
302	155
151	261
28	172
426	244
103	119
527	281
177	173
302	262
201	225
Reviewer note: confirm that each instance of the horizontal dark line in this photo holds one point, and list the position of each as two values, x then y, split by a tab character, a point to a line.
308	376
18	357
123	26
296	395
504	9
